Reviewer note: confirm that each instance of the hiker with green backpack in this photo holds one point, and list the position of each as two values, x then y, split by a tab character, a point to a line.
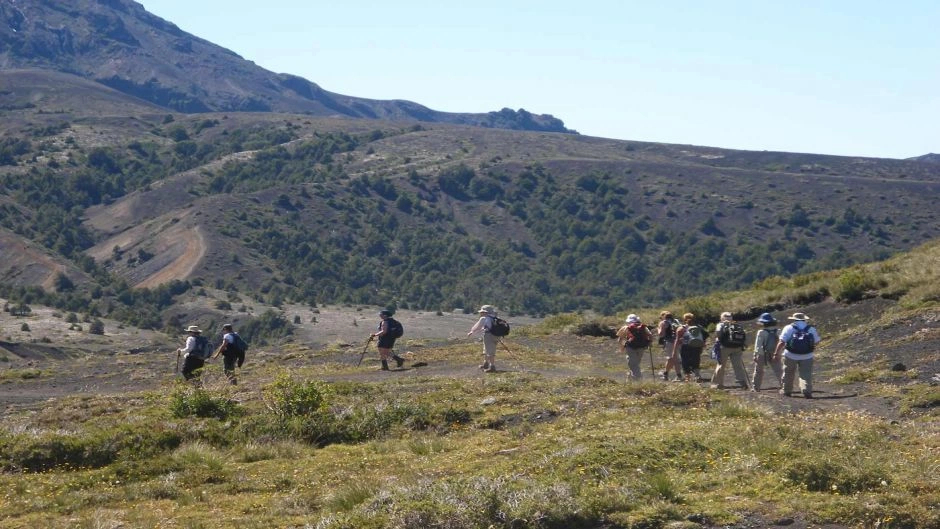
690	341
635	338
388	331
764	345
732	340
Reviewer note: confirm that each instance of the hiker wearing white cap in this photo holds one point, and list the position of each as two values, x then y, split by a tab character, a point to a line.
797	343
194	352
634	339
731	340
485	323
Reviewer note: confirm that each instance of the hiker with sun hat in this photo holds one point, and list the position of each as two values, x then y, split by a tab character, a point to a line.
797	343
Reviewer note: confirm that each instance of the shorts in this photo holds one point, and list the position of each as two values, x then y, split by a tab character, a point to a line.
386	342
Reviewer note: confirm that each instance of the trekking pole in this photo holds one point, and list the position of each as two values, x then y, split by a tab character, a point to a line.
177	370
364	349
500	342
652	367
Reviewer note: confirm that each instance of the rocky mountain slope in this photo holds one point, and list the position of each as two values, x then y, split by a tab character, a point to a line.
121	45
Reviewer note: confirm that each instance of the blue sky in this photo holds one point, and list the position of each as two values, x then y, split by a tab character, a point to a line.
858	78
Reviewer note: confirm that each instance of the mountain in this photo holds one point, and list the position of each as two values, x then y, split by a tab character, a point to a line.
119	44
929	157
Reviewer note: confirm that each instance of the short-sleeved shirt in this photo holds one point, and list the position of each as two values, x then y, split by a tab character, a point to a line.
788	333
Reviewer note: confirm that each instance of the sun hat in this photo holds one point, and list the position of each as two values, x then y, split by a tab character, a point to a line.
227	326
387	313
799	316
193	328
488	309
766	318
633	318
726	316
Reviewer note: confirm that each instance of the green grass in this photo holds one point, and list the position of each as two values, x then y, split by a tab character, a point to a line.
519	450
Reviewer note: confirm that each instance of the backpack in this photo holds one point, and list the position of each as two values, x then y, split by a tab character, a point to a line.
201	349
241	347
499	327
669	331
770	340
802	342
693	337
732	335
395	328
637	337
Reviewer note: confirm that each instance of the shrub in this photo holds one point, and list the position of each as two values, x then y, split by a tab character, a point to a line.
853	285
197	402
286	397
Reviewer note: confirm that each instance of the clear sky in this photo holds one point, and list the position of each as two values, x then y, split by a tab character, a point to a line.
857	77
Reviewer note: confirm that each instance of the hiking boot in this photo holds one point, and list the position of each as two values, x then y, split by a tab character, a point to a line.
399	361
490	369
717	386
666	376
784	393
384	365
807	395
484	366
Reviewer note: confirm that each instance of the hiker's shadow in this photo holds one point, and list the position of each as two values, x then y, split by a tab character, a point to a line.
823	395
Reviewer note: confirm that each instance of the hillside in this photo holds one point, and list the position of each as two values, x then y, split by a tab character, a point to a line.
119	44
318	210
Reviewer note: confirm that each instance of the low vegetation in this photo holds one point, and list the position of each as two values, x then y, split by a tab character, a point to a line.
516	450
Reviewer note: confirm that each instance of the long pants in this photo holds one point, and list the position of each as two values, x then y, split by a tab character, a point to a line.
761	360
805	368
737	362
634	358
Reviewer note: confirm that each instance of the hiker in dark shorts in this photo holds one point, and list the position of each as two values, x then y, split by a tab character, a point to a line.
667	339
690	341
386	341
194	352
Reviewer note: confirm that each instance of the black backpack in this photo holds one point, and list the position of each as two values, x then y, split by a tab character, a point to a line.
395	329
500	327
732	335
802	342
202	349
239	344
669	330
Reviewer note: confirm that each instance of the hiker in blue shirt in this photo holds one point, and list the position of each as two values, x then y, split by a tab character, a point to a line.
797	343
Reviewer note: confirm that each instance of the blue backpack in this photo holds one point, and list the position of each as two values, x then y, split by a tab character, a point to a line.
802	342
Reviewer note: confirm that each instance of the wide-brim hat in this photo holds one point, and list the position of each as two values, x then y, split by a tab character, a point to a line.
633	318
798	316
193	328
726	316
487	309
766	318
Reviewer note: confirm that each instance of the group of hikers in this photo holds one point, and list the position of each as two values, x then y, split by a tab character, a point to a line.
789	352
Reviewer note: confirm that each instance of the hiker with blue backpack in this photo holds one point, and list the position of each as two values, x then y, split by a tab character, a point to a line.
797	343
765	344
232	349
690	341
731	340
195	352
388	331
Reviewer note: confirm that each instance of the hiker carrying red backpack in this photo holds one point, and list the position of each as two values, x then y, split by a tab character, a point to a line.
634	338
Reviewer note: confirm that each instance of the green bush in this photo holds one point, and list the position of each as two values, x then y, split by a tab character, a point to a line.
286	397
196	402
853	284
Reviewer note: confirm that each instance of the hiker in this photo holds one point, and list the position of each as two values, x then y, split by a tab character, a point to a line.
232	351
634	338
764	348
690	340
194	352
797	343
667	339
386	334
731	340
485	323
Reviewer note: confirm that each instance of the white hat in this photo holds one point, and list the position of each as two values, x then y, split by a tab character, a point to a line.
726	316
193	328
488	309
633	318
799	316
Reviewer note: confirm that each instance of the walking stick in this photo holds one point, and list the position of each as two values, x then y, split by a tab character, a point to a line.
652	367
177	370
500	342
364	349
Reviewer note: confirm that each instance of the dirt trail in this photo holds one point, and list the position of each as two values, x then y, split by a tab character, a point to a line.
184	265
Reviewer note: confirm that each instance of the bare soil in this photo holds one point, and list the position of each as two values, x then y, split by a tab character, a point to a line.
52	360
